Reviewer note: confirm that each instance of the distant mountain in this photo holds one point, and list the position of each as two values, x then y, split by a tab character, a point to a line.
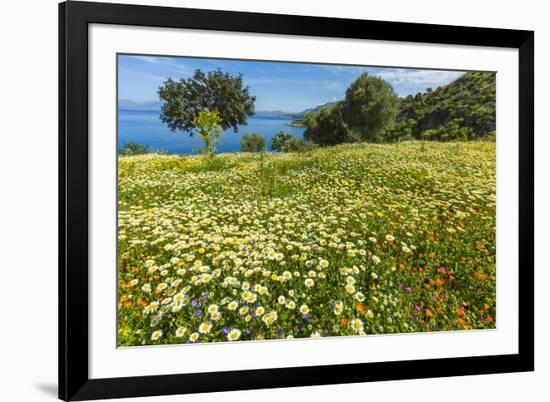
277	113
318	108
153	106
127	104
292	115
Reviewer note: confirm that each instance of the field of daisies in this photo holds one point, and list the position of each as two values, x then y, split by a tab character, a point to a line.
349	240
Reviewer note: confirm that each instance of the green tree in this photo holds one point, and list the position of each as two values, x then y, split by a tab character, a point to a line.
329	127
207	124
252	143
370	107
183	100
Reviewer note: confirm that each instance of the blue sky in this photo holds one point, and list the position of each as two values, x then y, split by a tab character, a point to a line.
289	87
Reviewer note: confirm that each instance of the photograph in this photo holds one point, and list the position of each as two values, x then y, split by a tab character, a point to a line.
271	200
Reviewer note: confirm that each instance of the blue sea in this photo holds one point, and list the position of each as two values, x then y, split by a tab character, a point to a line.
145	128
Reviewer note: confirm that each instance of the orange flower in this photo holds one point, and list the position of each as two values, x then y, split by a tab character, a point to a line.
462	321
486	306
432	281
360	308
429	313
401	266
459	311
490	317
344	321
442	281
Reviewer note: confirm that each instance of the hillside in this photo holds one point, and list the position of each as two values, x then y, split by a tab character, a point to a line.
352	239
318	108
465	109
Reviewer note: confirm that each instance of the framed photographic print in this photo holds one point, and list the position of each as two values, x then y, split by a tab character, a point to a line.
257	201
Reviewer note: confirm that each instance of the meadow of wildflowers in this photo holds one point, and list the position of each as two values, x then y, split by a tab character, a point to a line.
346	240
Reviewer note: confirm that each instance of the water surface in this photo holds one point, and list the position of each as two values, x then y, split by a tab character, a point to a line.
145	128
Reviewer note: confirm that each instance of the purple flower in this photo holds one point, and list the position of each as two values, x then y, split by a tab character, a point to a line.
194	303
248	330
417	307
434	297
225	330
198	312
409	290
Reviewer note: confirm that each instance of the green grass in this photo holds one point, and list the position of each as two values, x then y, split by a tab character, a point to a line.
411	227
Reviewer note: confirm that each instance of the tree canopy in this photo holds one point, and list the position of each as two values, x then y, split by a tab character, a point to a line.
370	107
184	99
368	110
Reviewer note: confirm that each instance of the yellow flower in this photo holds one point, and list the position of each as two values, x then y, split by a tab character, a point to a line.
156	335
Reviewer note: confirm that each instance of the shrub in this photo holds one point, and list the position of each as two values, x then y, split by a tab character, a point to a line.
299	145
131	148
280	141
252	143
288	143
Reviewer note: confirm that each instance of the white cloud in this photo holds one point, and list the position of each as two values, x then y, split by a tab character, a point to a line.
409	79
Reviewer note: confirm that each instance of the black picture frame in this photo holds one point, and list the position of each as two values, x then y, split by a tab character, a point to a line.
74	18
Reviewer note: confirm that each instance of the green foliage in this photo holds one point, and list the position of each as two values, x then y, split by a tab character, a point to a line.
253	143
288	143
370	107
280	140
464	109
328	127
183	100
299	145
131	148
207	124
